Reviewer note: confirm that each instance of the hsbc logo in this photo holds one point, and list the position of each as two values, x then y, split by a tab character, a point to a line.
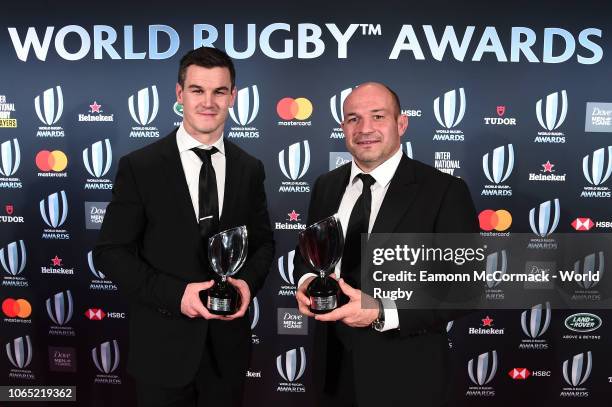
336	102
10	157
543	226
535	321
98	314
583	224
98	158
294	167
246	107
106	356
551	112
60	307
498	167
19	352
600	167
54	209
49	108
291	365
453	108
13	257
483	370
577	370
519	373
144	105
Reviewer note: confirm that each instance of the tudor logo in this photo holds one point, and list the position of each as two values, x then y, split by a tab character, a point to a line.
10	157
543	226
483	371
535	321
289	370
52	105
576	370
246	106
144	107
550	115
501	110
453	108
498	168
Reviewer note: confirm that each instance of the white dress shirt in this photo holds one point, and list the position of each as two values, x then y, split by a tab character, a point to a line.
192	164
382	175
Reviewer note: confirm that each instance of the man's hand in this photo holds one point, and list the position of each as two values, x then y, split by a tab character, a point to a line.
302	298
191	305
245	298
353	314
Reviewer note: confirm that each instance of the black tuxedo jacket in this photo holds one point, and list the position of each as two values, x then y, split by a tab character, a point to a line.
150	245
408	366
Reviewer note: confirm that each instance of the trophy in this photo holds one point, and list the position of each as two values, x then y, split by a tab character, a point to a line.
321	245
227	252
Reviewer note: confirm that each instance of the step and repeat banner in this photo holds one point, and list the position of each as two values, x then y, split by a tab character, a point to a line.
514	99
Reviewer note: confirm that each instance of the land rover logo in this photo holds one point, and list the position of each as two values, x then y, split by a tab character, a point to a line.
582	322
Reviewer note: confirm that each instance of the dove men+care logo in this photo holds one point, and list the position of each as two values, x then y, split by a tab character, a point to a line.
143	107
54	211
551	113
597	168
449	110
10	158
497	166
97	159
49	106
294	162
243	114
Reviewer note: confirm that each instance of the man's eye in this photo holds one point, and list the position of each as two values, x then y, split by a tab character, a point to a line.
378	116
220	92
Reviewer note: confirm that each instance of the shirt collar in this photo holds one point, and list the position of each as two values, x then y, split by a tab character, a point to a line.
186	142
381	174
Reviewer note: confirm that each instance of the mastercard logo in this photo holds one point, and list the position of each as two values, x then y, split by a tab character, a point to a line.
289	108
51	160
16	308
499	220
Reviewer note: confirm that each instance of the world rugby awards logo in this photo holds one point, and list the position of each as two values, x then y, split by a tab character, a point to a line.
60	308
551	113
291	366
597	168
244	112
99	282
576	372
54	210
497	167
481	372
106	358
449	112
143	108
19	353
535	322
10	158
544	221
13	258
254	319
294	166
336	102
496	267
587	273
49	107
285	269
97	160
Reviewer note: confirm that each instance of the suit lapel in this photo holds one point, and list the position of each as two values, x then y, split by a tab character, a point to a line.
338	186
398	199
177	183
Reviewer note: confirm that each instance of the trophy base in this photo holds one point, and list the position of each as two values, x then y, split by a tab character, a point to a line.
221	299
323	294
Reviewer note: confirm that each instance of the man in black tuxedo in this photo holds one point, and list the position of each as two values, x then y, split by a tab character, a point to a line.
168	199
368	352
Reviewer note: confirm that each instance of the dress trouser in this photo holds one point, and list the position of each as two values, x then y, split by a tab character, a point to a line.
219	381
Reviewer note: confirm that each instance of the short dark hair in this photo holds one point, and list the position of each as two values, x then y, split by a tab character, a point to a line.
396	100
206	57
